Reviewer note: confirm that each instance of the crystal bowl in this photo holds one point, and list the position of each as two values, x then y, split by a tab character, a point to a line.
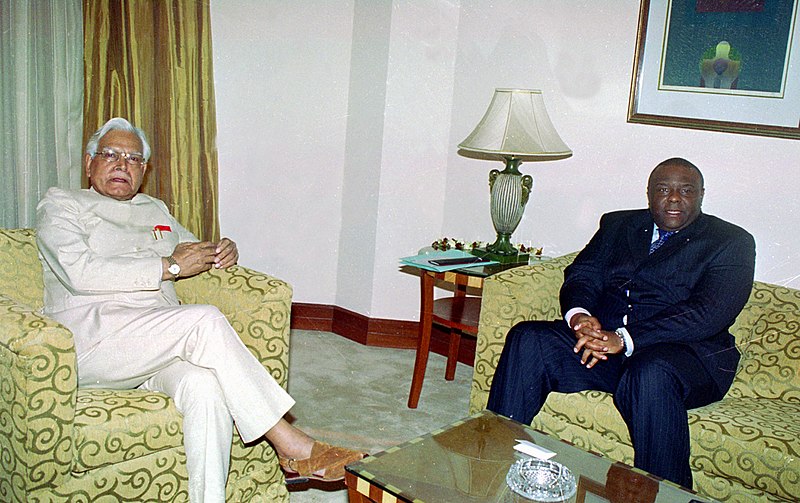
541	480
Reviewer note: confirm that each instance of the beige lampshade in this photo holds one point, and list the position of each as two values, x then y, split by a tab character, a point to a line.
516	125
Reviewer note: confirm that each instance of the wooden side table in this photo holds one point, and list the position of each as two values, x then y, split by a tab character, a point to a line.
459	314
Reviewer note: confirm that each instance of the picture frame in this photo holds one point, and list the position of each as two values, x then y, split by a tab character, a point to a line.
683	77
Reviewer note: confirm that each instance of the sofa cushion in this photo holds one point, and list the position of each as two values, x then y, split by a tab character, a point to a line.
20	269
770	364
755	441
118	425
589	420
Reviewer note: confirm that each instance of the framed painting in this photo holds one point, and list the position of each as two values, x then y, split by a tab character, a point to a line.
718	65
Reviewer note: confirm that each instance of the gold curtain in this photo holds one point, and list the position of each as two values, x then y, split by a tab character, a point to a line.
150	62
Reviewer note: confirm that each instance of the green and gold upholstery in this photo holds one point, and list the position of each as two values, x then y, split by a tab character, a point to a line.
60	443
744	448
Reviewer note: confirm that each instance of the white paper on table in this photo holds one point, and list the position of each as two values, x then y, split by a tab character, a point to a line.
534	450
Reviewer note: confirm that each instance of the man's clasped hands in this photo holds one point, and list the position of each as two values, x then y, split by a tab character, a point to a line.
197	257
595	342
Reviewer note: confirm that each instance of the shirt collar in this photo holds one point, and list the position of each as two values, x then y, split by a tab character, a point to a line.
137	199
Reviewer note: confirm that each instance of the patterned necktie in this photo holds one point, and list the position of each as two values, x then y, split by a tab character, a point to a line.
662	238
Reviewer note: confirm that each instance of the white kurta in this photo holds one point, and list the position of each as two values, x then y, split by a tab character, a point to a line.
102	276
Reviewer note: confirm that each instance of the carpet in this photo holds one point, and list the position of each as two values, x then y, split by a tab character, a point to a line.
354	395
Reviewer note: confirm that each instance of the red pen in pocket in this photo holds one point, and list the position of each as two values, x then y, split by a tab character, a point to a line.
159	230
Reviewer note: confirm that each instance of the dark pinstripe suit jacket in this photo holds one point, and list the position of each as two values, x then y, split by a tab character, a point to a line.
689	291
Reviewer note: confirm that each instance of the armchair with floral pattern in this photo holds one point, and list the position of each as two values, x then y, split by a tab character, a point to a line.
744	448
61	443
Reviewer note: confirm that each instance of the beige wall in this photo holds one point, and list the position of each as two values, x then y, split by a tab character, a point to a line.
338	123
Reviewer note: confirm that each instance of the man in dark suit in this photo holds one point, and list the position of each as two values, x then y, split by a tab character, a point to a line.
646	318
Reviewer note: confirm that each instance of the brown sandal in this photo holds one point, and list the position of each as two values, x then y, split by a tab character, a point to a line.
326	457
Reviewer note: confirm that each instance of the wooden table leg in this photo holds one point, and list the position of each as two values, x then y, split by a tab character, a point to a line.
455	334
423	344
452	354
353	496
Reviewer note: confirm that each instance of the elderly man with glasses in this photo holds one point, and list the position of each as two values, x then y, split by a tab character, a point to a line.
110	257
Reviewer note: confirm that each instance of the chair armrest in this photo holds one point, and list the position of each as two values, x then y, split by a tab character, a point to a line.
38	383
524	293
258	307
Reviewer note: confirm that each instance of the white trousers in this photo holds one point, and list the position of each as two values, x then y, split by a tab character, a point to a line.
192	354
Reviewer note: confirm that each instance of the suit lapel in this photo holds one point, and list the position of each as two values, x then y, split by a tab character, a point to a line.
639	236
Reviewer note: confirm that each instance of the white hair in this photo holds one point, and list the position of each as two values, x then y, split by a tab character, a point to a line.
117	123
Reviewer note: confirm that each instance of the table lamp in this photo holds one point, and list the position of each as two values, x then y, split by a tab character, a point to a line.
515	128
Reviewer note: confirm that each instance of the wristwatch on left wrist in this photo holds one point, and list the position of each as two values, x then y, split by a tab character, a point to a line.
621	336
173	268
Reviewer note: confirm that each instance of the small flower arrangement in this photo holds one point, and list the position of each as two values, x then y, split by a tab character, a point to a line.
459	244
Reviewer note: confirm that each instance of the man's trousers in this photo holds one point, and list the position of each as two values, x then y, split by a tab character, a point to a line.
192	354
652	389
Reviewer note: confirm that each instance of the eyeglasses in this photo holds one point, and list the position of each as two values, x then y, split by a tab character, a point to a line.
110	155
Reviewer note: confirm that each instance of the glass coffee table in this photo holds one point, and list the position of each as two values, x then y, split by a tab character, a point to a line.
467	461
